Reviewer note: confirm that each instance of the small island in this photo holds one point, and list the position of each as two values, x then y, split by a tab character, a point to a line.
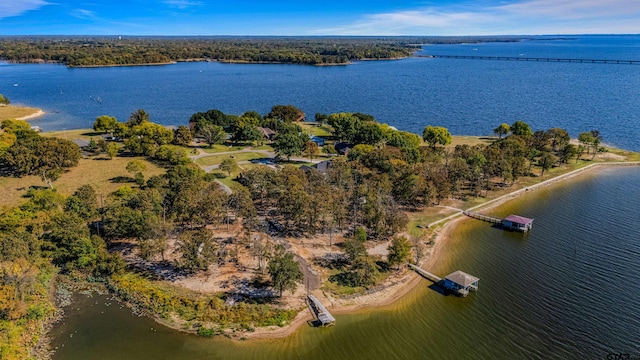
224	225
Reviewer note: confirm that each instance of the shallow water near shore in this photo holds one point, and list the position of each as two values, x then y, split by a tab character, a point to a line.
566	290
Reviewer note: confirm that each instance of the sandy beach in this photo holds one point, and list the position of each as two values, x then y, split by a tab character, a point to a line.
37	114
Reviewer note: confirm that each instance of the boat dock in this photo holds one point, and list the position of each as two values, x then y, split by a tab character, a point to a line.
511	222
522	58
324	317
458	282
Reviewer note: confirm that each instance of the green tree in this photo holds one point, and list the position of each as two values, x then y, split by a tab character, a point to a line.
311	150
44	157
284	270
182	136
138	117
154	241
502	129
212	134
112	150
83	202
4	100
569	152
147	138
434	135
286	113
321	118
354	248
547	161
105	124
521	128
228	165
399	250
136	166
289	145
364	272
199	251
345	126
370	133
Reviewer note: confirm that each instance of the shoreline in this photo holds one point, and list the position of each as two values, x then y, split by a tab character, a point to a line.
37	114
410	279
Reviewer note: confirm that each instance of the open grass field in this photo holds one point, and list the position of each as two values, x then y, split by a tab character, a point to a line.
15	112
241	156
470	140
313	129
104	175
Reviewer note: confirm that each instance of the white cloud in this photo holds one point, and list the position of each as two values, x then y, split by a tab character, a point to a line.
10	8
183	4
84	14
523	17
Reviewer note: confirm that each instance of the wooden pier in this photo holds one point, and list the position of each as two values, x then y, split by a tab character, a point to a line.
426	274
483	217
522	58
324	317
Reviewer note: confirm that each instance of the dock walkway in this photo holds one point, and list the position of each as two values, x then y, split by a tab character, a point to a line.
325	318
426	274
483	217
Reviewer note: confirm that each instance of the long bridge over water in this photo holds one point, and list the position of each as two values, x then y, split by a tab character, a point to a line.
540	59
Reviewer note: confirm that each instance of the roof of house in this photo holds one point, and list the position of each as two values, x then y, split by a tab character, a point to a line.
266	131
518	219
462	278
81	142
323	166
343	148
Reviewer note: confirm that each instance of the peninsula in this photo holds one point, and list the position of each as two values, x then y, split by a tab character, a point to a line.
222	227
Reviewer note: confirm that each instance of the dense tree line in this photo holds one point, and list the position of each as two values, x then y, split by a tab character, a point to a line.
98	51
25	152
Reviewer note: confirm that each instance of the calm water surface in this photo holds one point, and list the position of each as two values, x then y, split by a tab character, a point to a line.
564	291
470	97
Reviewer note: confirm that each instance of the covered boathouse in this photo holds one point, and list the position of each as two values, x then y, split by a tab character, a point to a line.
519	223
461	283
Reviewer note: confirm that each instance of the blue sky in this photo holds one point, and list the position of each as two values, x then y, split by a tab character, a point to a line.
324	17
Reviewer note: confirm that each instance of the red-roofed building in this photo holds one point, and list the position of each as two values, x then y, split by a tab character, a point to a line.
516	222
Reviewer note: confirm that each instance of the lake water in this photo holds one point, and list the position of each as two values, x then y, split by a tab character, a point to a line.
567	290
470	97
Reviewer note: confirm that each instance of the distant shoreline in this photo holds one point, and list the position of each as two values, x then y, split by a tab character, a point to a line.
121	65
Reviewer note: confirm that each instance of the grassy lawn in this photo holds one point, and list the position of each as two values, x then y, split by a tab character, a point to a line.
217	159
220	148
470	140
13	112
97	173
313	129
